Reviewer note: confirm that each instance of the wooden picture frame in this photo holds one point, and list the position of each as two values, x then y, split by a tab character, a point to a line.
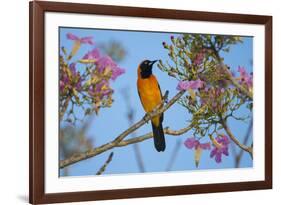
38	9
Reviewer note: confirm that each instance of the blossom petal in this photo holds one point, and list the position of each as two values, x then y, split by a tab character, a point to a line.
116	72
221	148
104	62
193	84
87	40
71	36
92	55
218	157
72	67
205	146
190	142
245	77
183	85
225	151
196	84
199	58
213	152
61	85
242	71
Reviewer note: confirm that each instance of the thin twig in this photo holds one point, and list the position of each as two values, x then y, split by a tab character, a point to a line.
246	138
131	119
237	85
98	150
139	158
150	135
64	107
235	140
174	155
102	169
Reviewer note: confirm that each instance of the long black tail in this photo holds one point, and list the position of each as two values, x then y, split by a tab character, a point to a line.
159	138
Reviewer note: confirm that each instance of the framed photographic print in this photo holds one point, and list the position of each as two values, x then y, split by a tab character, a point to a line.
139	102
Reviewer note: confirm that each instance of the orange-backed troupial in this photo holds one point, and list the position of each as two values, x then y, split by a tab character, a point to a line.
150	96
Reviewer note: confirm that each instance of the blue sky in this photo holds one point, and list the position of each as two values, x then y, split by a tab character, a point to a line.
111	122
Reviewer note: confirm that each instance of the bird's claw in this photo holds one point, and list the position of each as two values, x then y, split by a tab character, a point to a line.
165	97
147	117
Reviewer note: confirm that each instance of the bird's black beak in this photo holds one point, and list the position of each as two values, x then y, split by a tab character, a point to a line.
152	62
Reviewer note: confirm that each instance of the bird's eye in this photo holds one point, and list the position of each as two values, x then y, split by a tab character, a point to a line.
145	62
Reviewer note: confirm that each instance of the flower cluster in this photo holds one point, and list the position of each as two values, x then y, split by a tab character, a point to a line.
86	82
70	79
219	147
99	91
106	64
199	57
197	66
213	98
192	143
245	79
213	94
77	43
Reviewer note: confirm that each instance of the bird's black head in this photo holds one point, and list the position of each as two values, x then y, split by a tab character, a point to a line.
146	68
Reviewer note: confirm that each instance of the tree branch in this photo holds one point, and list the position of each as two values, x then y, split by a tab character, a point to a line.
64	108
150	135
102	169
174	155
233	138
246	138
115	143
131	119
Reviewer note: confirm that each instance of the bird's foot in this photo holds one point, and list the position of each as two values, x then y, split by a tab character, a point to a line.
147	117
165	97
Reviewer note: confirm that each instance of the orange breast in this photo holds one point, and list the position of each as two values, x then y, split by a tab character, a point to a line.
150	94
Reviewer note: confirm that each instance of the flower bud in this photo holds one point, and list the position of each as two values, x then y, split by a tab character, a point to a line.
165	45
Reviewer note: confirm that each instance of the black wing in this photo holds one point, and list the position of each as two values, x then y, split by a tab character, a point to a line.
162	114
